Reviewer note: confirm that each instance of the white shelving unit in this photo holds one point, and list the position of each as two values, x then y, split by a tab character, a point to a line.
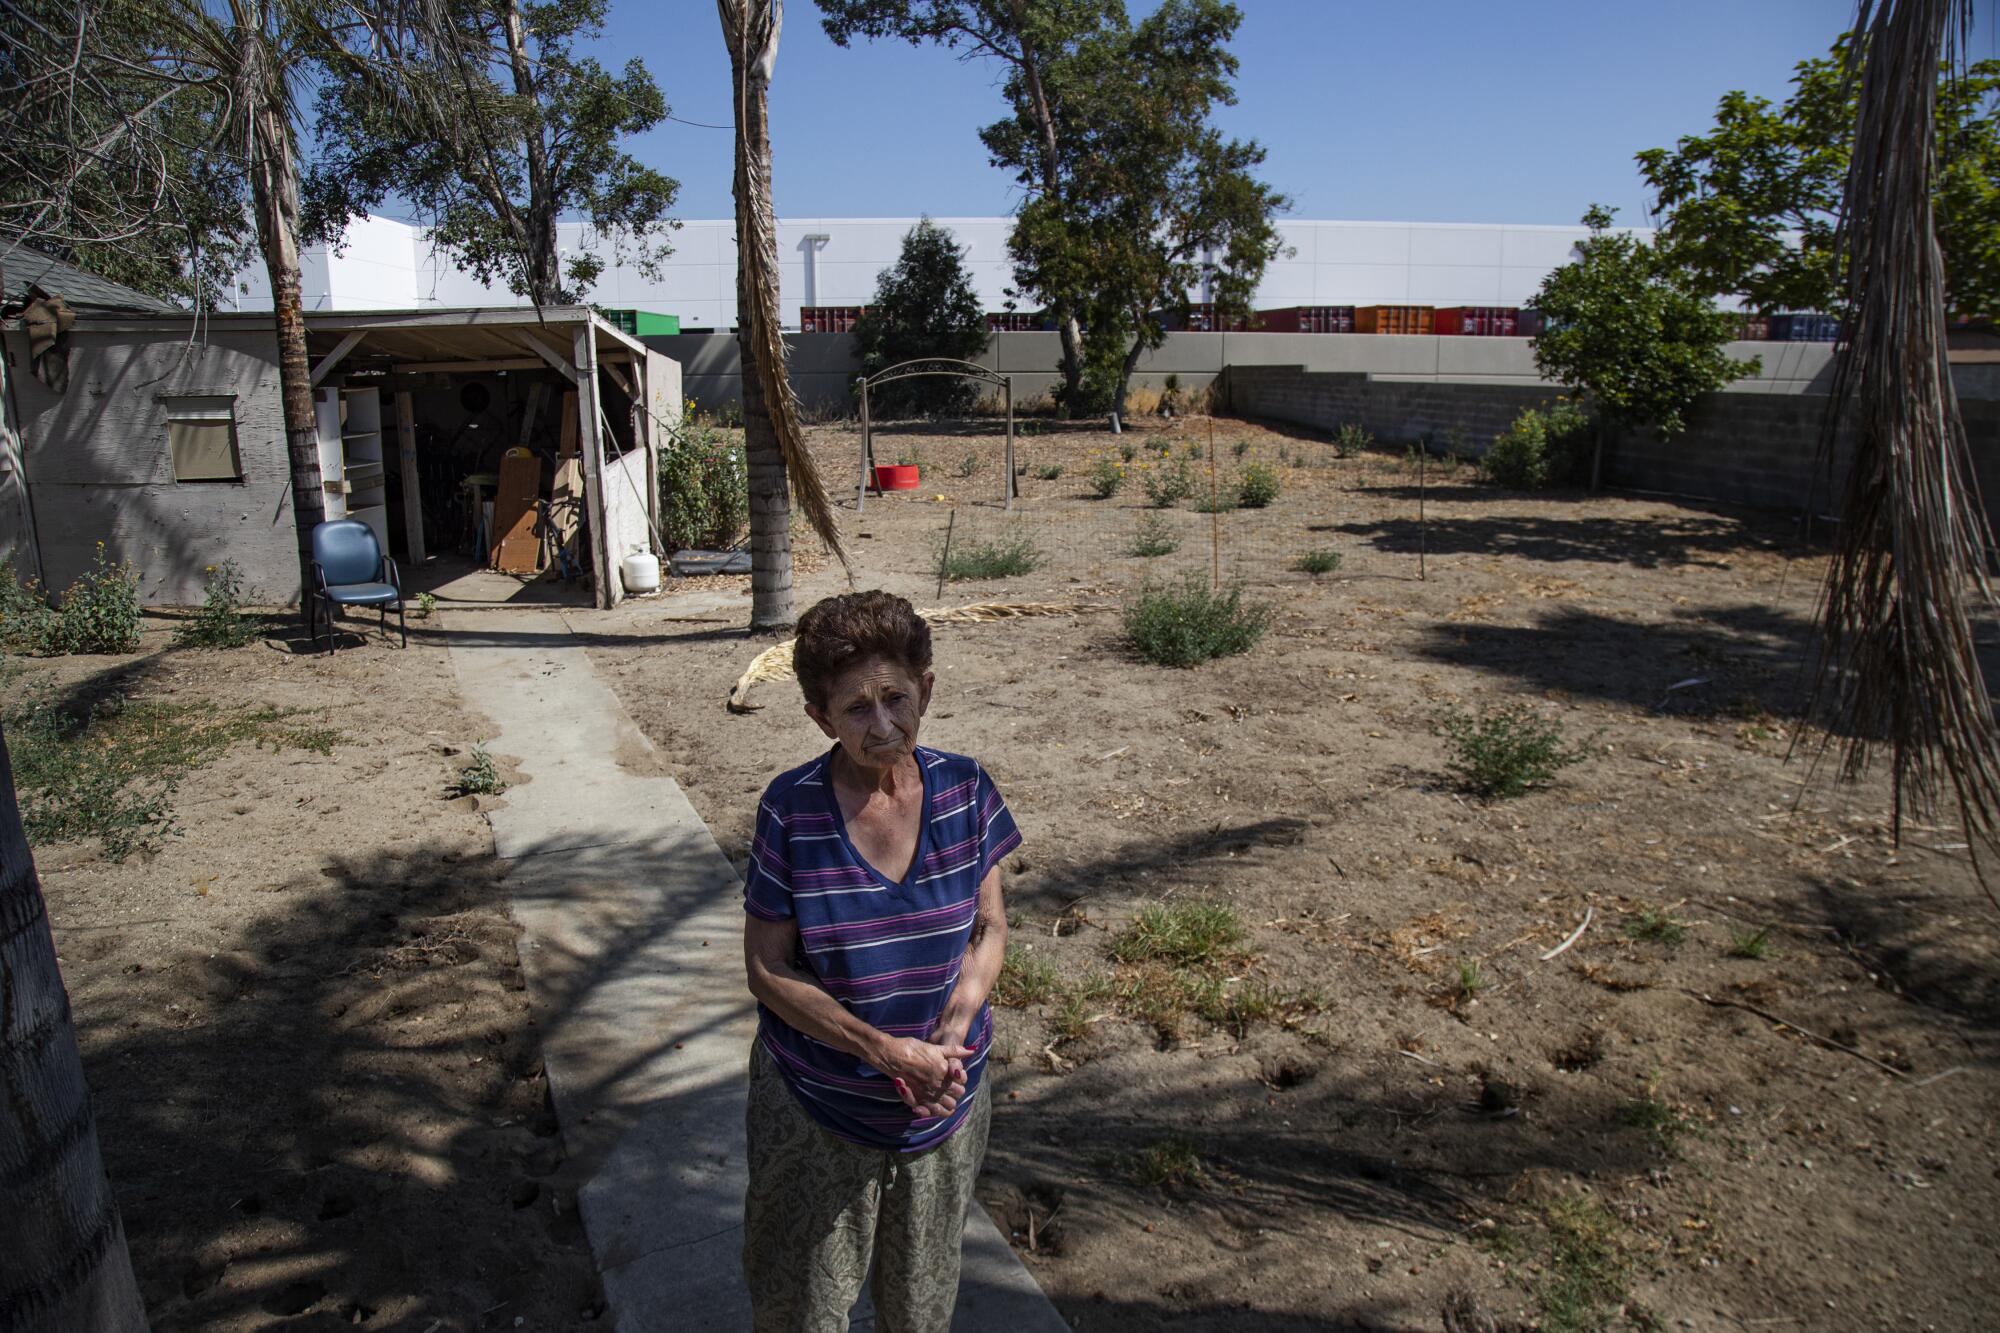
351	462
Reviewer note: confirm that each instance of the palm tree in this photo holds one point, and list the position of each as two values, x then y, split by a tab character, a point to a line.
1897	661
773	439
67	1267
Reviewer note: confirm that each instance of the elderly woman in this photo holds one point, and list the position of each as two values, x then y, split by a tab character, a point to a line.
874	934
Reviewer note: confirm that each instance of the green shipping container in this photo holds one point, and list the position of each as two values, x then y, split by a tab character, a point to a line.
642	323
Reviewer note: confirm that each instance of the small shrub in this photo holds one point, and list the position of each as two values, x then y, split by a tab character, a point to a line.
1754	944
704	486
1171	1163
480	777
1187	625
1049	471
1105	478
1318	561
1519	455
1154	536
99	612
967	466
220	623
1507	752
1221	502
1350	440
1181	933
1001	558
1240	448
1127	451
1168	486
1656	927
25	617
1194	451
1257	487
427	605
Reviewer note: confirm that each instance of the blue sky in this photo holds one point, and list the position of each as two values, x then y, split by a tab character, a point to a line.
1444	111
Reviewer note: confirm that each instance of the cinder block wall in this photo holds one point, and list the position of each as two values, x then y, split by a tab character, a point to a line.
1750	448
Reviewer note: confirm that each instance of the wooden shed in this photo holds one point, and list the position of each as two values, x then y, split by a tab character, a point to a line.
167	443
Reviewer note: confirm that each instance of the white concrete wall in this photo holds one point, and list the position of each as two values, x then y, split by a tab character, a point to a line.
386	264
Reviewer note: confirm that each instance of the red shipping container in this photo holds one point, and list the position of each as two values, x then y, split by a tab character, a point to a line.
1394	318
829	318
1478	321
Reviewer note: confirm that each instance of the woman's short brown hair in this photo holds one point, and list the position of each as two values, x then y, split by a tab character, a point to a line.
841	631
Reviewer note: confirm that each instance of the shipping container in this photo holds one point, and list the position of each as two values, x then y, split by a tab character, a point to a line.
1016	321
1530	323
829	318
1200	317
1477	321
1307	319
1753	328
1804	328
1394	318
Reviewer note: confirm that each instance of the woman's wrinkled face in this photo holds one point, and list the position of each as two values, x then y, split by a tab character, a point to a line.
873	709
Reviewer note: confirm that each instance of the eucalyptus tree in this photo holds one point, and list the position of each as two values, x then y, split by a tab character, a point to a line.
482	116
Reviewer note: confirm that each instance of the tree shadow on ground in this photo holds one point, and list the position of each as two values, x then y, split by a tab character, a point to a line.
1912	934
1148	865
1705	662
342	1113
1646	543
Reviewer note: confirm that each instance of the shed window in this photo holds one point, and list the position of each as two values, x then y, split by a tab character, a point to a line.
201	436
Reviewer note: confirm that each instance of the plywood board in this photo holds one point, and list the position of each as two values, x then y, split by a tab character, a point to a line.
516	549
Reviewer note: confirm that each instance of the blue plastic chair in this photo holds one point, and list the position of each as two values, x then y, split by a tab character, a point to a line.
349	568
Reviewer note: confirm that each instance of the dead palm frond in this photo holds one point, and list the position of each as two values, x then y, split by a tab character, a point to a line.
775	662
1898	660
751	28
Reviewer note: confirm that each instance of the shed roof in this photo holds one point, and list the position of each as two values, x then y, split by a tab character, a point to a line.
82	290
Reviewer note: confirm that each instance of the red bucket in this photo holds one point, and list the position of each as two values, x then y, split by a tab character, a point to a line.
896	476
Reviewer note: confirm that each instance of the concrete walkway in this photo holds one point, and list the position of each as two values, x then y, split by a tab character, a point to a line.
632	947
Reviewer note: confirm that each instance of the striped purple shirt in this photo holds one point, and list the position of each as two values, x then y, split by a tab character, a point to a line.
889	952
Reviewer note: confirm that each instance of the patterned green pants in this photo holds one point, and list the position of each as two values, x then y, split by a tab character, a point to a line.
819	1207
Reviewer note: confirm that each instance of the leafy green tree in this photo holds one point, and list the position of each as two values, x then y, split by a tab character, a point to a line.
924	306
1630	328
1749	206
1163	200
493	128
1030	39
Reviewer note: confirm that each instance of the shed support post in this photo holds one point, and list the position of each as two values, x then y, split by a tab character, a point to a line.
867	452
590	445
413	496
1007	392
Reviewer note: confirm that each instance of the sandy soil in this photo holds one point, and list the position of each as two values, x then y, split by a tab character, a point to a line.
1360	1157
303	1021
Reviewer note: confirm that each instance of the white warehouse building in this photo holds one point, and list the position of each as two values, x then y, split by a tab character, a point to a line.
384	264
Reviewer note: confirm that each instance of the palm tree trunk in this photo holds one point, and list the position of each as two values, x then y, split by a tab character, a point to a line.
773	438
274	188
1898	656
67	1269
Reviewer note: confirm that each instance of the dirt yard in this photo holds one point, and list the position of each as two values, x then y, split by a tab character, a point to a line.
318	1089
1382	1093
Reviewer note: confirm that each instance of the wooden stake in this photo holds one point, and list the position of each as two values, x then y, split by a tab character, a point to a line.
944	561
1423	520
1214	518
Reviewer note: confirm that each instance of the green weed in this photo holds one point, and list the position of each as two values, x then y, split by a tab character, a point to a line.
1350	440
1584	1273
1321	560
427	605
1656	927
1506	752
1169	1163
1127	451
1750	943
1240	448
1154	536
1049	471
1470	980
479	777
1188	624
1661	1123
220	623
1105	478
1003	557
1257	487
1221	502
1168	486
1025	980
1179	932
967	466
